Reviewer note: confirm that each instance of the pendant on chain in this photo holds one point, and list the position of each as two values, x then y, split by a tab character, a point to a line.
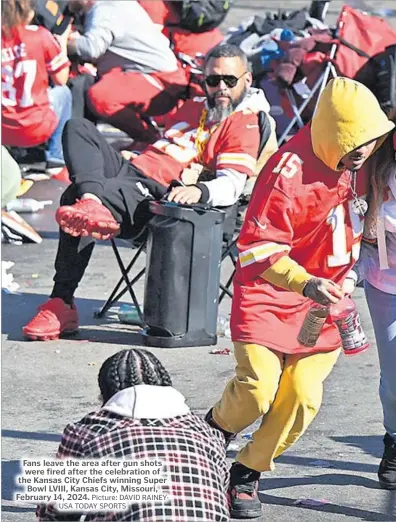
359	206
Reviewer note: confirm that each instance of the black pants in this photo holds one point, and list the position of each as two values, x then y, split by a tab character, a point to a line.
79	86
95	167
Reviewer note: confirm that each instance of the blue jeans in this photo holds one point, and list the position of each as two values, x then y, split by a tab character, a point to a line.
382	308
61	103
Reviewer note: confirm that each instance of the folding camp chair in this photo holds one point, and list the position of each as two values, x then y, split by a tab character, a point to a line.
357	39
230	235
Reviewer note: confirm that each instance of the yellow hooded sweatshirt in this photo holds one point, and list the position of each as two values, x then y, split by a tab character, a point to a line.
347	116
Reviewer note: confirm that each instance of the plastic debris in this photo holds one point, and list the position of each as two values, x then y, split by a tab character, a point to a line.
57	351
35	276
129	314
311	502
8	236
11	221
7	280
218	351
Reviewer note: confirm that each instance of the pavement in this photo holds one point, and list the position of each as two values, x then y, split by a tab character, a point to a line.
46	385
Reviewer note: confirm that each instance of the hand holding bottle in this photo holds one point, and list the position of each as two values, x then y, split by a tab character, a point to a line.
323	291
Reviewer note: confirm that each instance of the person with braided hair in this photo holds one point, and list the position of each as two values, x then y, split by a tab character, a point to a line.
144	418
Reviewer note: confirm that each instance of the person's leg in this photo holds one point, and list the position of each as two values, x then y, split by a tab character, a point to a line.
296	404
382	308
121	98
94	167
248	396
61	102
109	188
126	98
79	86
289	405
90	160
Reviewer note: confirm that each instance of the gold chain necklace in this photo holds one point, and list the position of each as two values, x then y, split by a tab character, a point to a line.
201	140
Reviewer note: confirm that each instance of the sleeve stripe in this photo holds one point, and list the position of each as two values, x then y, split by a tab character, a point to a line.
56	63
260	253
237	159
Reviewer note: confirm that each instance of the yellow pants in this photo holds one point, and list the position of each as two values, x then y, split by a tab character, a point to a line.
285	389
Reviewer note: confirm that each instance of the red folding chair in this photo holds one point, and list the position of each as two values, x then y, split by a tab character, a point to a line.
358	38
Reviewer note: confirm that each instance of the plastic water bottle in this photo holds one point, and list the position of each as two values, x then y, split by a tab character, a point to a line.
26	205
347	319
312	325
223	326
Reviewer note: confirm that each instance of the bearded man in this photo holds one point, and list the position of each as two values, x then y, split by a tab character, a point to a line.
215	138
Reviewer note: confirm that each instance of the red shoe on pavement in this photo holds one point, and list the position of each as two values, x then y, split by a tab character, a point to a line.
87	217
55	318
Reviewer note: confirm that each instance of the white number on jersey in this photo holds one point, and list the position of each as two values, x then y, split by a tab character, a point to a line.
336	219
288	165
10	97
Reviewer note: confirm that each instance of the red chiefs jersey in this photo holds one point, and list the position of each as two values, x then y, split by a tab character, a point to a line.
302	209
232	144
29	55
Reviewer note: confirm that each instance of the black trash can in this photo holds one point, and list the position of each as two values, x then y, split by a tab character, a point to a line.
182	275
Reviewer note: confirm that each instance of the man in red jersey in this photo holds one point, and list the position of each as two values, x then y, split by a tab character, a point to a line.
31	112
299	241
217	136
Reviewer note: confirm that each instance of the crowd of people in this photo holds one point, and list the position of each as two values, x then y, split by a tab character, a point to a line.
321	219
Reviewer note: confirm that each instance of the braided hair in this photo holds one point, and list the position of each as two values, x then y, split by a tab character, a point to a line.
129	368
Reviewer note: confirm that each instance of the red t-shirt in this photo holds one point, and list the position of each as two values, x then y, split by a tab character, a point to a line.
303	209
29	55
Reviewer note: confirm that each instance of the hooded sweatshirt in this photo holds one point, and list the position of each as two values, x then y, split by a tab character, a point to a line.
151	423
300	223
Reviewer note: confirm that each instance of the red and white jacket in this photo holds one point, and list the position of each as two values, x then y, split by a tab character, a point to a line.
231	150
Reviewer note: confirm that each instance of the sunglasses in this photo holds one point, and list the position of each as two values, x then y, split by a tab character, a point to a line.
230	80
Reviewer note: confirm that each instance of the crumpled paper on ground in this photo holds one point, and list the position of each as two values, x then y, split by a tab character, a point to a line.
7	279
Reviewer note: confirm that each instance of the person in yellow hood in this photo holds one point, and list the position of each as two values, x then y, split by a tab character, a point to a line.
299	241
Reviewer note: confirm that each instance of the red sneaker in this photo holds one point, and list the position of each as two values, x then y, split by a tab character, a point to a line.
87	217
55	318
